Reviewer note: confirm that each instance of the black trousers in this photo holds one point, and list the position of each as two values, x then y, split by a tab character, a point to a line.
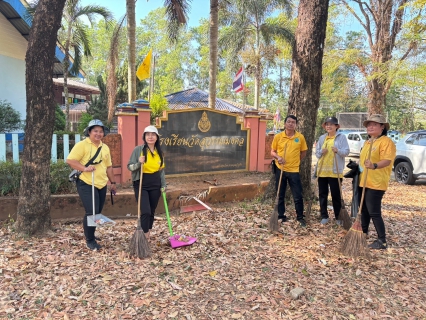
293	179
85	192
151	192
323	184
372	210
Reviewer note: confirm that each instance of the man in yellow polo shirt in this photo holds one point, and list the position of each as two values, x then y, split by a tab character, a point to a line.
288	149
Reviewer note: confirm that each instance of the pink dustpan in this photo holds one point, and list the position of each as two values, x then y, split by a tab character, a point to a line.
177	241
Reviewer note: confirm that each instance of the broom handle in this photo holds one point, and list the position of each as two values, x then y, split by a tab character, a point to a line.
93	195
169	223
139	197
338	176
281	175
365	181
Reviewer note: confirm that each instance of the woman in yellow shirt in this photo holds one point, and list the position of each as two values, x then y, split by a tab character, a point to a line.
78	159
332	145
383	152
150	157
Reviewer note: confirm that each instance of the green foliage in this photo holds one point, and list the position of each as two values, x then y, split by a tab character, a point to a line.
10	178
59	183
158	104
10	119
98	108
84	121
59	119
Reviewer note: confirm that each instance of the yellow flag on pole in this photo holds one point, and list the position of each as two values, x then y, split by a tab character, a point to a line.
144	68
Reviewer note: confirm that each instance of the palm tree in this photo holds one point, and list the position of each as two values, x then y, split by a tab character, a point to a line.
131	48
250	32
76	39
214	28
177	16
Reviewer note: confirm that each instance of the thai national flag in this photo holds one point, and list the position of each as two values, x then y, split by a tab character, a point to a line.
238	85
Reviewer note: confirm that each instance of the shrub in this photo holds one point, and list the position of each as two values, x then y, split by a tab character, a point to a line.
10	119
10	178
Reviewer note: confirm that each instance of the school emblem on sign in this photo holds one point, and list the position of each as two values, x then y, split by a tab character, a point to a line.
204	123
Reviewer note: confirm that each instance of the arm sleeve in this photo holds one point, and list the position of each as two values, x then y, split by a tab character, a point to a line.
304	146
134	164
318	152
343	151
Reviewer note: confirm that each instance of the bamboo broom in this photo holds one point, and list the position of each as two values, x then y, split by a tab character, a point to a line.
139	246
343	214
355	242
273	220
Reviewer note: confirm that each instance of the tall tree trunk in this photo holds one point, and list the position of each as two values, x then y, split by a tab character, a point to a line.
306	75
34	195
257	81
214	12
376	96
131	49
66	65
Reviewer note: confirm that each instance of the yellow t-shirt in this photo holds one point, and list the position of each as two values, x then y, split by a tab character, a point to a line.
383	148
293	147
326	162
152	162
83	151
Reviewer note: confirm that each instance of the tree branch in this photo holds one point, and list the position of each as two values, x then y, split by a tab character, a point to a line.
365	25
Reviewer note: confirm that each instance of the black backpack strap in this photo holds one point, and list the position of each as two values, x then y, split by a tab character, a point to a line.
93	158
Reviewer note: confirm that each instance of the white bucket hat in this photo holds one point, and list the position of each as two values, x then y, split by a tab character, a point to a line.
95	122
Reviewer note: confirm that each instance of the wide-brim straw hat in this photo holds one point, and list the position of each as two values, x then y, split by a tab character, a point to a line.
377	118
332	120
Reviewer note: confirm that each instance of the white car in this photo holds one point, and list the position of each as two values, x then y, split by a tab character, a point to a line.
410	161
356	141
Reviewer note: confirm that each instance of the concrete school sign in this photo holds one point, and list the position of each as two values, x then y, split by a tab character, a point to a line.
203	141
197	140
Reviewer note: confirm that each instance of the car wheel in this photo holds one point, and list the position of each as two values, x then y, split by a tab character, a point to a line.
404	174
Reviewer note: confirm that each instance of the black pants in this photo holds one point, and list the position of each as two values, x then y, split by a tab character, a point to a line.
323	184
293	179
372	209
85	192
151	192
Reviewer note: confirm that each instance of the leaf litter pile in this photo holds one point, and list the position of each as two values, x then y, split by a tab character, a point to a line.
236	269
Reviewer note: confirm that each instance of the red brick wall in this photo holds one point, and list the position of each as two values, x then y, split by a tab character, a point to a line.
113	141
268	144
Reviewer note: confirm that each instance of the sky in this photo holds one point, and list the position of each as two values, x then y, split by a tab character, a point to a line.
143	7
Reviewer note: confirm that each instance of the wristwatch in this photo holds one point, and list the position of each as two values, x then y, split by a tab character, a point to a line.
375	166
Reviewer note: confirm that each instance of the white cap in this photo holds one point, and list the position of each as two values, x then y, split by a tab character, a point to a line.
151	129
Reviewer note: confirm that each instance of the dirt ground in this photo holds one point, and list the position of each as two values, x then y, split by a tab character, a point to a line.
201	182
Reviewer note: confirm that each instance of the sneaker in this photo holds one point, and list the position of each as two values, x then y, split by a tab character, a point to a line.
93	245
339	223
283	219
302	223
325	220
378	245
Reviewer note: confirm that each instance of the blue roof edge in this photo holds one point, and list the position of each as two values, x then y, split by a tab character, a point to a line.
23	12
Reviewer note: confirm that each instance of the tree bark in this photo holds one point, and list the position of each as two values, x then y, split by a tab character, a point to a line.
306	75
214	13
34	195
131	49
66	65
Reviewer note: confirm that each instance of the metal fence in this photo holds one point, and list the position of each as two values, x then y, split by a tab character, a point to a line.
12	144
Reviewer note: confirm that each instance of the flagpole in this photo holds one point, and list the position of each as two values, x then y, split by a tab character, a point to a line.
151	79
244	91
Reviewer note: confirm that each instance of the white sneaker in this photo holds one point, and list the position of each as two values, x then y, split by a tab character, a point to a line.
324	221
